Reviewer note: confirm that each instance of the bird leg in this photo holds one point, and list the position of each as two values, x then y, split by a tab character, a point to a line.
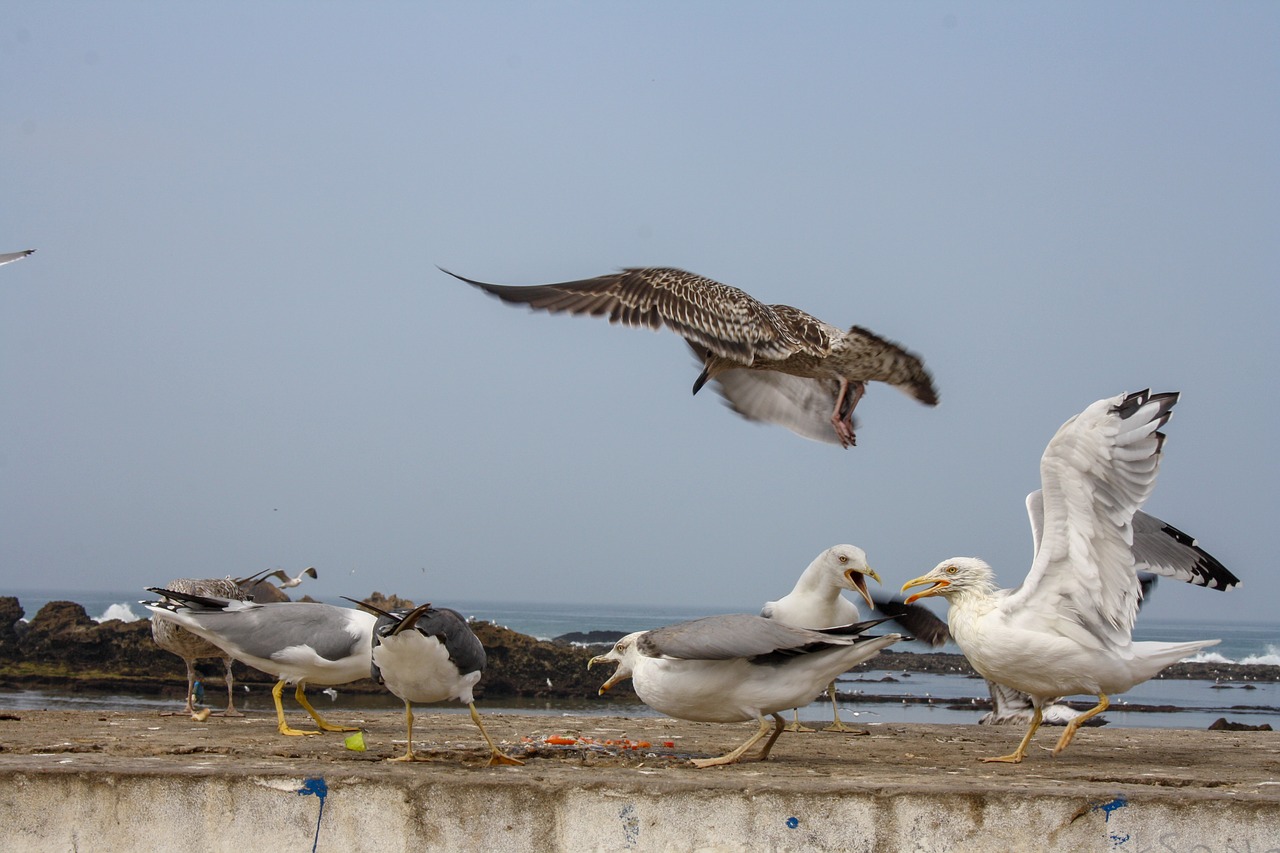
1015	757
284	728
795	726
495	755
1077	722
842	414
736	756
323	725
408	721
231	698
837	725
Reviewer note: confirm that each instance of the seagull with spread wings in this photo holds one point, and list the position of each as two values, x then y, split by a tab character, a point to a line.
1068	628
773	363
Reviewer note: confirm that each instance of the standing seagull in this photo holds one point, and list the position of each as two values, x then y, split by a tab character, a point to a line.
298	642
1068	628
190	647
773	363
726	669
429	654
816	602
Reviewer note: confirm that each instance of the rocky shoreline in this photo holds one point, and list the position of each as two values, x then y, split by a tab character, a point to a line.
62	648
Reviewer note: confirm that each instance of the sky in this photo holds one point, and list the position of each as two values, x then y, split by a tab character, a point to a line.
233	349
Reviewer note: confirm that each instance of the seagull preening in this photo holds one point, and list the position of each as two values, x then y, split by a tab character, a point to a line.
816	602
726	669
171	637
429	654
1068	628
773	363
298	642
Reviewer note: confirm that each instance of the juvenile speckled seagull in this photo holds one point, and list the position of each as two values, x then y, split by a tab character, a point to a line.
727	669
1068	628
817	601
429	654
172	637
773	363
299	642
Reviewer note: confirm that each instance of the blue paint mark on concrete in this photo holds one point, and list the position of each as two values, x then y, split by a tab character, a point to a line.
318	788
793	822
1108	807
630	825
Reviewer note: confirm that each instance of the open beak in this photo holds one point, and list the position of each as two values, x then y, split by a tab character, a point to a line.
937	586
611	680
859	581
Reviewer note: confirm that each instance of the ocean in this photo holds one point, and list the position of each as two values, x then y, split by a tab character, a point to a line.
912	697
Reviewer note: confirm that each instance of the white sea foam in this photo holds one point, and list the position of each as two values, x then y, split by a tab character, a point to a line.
123	612
1271	658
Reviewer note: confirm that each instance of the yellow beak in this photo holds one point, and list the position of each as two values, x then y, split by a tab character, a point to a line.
937	585
855	578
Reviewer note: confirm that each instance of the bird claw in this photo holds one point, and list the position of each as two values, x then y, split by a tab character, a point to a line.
498	758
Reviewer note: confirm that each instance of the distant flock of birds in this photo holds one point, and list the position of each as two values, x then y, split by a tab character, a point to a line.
1066	630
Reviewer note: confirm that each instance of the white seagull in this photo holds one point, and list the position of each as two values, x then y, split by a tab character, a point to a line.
281	575
298	642
816	602
429	654
773	363
725	669
1068	628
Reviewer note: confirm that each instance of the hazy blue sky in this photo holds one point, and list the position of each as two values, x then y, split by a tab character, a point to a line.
233	349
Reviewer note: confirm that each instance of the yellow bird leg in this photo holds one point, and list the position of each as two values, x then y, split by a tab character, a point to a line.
285	728
736	755
301	696
795	725
495	755
1070	731
1015	757
408	749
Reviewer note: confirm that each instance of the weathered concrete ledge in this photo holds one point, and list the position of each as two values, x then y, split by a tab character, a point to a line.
104	780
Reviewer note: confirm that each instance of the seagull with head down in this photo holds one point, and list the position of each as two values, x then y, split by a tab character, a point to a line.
738	667
1068	628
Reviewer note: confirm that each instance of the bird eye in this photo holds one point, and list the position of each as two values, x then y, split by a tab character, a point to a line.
951	570
843	558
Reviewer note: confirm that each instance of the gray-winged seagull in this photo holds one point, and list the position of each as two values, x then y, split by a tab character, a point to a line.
429	654
1068	628
726	669
10	257
773	363
299	642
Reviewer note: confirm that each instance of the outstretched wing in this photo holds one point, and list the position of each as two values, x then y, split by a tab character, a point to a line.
1096	472
799	404
723	319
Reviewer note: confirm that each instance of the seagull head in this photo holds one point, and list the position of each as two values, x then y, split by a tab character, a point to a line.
623	653
953	577
848	566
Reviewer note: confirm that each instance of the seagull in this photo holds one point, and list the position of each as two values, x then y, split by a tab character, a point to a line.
724	669
10	257
190	647
1068	628
281	575
429	654
773	363
816	602
298	642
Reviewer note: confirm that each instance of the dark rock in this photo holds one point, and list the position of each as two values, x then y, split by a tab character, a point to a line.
11	613
1222	724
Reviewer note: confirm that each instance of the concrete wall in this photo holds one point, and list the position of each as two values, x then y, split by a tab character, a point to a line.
238	811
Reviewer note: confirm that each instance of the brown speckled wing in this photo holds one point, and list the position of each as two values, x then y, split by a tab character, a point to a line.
725	320
894	365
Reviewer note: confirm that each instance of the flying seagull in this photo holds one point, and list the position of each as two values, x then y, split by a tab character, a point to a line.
10	257
725	669
816	602
281	575
429	654
173	638
1068	628
298	642
773	363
